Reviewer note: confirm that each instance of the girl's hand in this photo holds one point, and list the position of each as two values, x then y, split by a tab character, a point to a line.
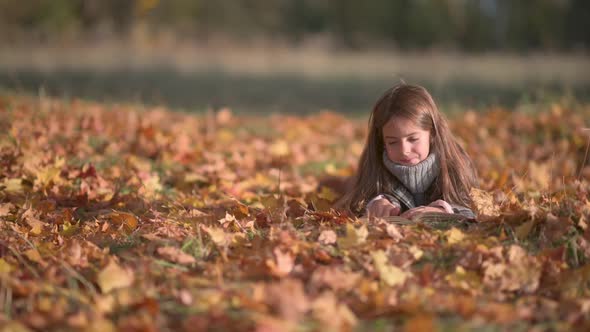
382	208
443	205
413	213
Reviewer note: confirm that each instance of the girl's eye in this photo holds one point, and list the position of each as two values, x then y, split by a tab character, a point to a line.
413	139
392	143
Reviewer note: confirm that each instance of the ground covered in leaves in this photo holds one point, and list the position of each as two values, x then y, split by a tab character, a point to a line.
140	219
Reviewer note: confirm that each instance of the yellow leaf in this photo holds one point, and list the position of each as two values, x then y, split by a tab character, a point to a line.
416	252
328	194
113	277
540	174
34	256
279	149
100	325
353	236
36	225
389	274
5	268
50	173
14	326
454	235
13	186
217	235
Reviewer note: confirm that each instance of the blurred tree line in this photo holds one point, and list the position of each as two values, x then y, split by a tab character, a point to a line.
466	25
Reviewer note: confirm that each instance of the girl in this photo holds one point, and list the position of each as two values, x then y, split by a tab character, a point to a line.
411	162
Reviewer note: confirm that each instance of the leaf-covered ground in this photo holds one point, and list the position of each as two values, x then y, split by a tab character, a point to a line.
134	219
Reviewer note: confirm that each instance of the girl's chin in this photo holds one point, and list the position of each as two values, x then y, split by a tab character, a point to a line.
410	162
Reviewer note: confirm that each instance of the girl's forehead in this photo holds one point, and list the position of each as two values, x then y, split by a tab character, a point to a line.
400	126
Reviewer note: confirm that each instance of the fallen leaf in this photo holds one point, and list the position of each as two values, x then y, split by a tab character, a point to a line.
353	237
394	232
391	275
283	264
327	237
5	209
34	256
5	268
454	235
336	316
128	220
484	203
113	277
176	255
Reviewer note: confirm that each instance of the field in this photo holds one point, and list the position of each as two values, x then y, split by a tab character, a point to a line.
271	78
137	218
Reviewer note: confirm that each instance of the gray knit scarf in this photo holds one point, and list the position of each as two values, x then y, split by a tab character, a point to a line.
416	178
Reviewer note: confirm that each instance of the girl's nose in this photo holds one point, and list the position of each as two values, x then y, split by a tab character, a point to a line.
406	148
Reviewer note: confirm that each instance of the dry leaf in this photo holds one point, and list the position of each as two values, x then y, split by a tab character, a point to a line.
484	203
353	237
113	277
454	235
176	255
389	274
327	237
283	264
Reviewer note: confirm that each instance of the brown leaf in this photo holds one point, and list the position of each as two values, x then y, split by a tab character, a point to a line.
128	220
176	255
5	209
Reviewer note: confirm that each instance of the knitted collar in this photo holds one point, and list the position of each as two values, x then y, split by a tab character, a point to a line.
417	178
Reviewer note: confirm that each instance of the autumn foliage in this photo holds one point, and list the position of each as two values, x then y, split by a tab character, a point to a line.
117	217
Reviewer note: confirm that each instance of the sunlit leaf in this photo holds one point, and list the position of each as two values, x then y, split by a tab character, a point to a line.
389	274
113	277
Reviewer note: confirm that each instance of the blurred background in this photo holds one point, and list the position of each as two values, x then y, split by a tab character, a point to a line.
296	56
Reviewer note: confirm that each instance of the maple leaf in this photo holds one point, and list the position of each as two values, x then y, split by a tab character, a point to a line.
484	203
353	237
391	275
50	174
113	277
218	236
229	218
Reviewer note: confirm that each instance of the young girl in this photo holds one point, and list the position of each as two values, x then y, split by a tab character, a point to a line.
411	162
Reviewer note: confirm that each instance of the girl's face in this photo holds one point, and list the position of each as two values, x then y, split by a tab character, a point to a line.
405	143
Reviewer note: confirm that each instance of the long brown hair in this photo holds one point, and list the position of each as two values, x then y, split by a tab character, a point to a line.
457	174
